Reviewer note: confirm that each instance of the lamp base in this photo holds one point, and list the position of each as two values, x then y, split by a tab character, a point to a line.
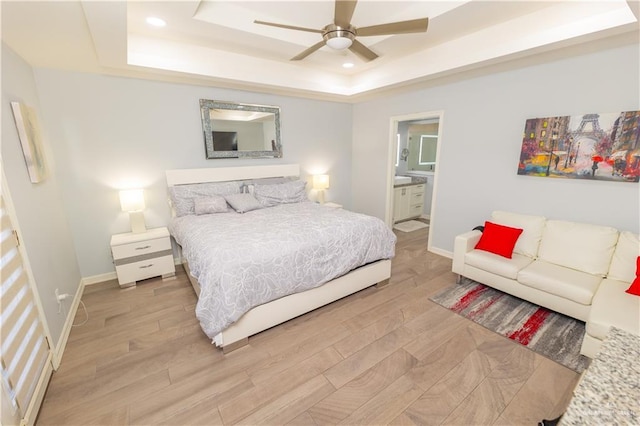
137	222
320	196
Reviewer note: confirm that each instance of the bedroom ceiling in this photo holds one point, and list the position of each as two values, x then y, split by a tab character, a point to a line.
217	41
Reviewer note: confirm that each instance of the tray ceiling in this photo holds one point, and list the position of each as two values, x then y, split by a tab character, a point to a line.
218	41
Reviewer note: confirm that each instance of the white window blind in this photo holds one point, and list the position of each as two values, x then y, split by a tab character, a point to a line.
24	350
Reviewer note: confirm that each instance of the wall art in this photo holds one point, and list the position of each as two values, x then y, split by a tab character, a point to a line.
603	146
29	133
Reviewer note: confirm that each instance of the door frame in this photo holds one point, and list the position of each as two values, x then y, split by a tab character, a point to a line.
393	153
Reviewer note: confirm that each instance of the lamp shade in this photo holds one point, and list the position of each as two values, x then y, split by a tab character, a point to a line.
132	200
320	181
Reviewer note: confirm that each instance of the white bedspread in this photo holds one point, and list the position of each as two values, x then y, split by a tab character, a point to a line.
244	260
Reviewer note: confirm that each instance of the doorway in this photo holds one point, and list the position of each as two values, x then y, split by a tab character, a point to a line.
414	147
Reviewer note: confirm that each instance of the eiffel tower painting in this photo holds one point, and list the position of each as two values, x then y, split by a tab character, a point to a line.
603	146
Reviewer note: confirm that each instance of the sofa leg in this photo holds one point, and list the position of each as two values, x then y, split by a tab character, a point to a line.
458	279
552	422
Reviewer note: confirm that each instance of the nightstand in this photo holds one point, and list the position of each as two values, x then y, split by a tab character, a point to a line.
142	255
333	205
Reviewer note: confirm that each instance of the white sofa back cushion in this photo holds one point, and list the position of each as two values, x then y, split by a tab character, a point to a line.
579	246
532	227
623	264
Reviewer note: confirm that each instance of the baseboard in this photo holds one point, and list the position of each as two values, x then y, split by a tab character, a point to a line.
425	216
97	279
68	324
441	252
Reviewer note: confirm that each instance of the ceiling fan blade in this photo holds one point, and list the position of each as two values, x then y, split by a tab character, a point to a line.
362	51
288	27
308	52
402	27
344	12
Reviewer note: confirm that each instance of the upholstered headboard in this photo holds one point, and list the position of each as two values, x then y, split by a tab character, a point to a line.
225	174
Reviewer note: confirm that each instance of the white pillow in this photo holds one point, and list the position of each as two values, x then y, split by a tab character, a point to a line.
532	227
623	264
283	193
243	203
212	204
580	246
182	196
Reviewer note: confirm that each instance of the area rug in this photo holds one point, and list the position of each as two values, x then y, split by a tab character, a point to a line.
548	333
410	225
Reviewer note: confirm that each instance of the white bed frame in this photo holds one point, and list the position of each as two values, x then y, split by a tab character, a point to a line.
280	310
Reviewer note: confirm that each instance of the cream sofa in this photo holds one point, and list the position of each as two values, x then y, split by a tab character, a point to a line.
577	269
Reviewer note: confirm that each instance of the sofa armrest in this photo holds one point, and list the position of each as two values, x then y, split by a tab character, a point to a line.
463	244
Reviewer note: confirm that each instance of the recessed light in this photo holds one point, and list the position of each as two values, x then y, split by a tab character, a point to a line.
156	22
348	65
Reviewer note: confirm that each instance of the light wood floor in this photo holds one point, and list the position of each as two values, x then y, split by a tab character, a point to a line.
381	356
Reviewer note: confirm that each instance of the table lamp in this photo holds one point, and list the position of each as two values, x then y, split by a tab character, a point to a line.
132	201
320	183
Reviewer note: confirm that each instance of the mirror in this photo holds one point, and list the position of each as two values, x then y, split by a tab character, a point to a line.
233	130
428	145
417	145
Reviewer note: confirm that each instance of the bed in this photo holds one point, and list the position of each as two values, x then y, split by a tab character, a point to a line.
256	269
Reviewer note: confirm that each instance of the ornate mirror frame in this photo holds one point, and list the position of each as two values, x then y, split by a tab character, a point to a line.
206	107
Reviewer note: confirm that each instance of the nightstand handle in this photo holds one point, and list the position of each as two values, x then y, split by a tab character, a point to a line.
142	248
146	266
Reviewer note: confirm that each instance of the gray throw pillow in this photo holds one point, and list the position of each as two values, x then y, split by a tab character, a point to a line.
243	203
182	196
283	193
212	204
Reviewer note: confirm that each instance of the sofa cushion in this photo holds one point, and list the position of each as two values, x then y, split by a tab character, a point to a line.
532	227
498	239
613	307
623	263
578	246
495	264
563	282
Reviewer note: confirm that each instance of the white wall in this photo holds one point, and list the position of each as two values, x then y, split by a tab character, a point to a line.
481	139
41	215
109	132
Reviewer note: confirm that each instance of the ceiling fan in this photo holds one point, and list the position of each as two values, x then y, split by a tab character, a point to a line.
341	34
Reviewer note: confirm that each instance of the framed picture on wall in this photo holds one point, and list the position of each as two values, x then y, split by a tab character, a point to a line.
29	133
599	146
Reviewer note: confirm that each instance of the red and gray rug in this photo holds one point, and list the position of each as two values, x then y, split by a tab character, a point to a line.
548	333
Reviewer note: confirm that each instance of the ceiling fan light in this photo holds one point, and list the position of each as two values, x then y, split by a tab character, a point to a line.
338	38
339	43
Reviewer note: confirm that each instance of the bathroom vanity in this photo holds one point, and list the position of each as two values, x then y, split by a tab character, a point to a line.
408	198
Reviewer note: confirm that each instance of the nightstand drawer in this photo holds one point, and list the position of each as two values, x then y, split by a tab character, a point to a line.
136	271
140	248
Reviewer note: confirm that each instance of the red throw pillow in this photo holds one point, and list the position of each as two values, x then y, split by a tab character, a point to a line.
635	285
498	239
